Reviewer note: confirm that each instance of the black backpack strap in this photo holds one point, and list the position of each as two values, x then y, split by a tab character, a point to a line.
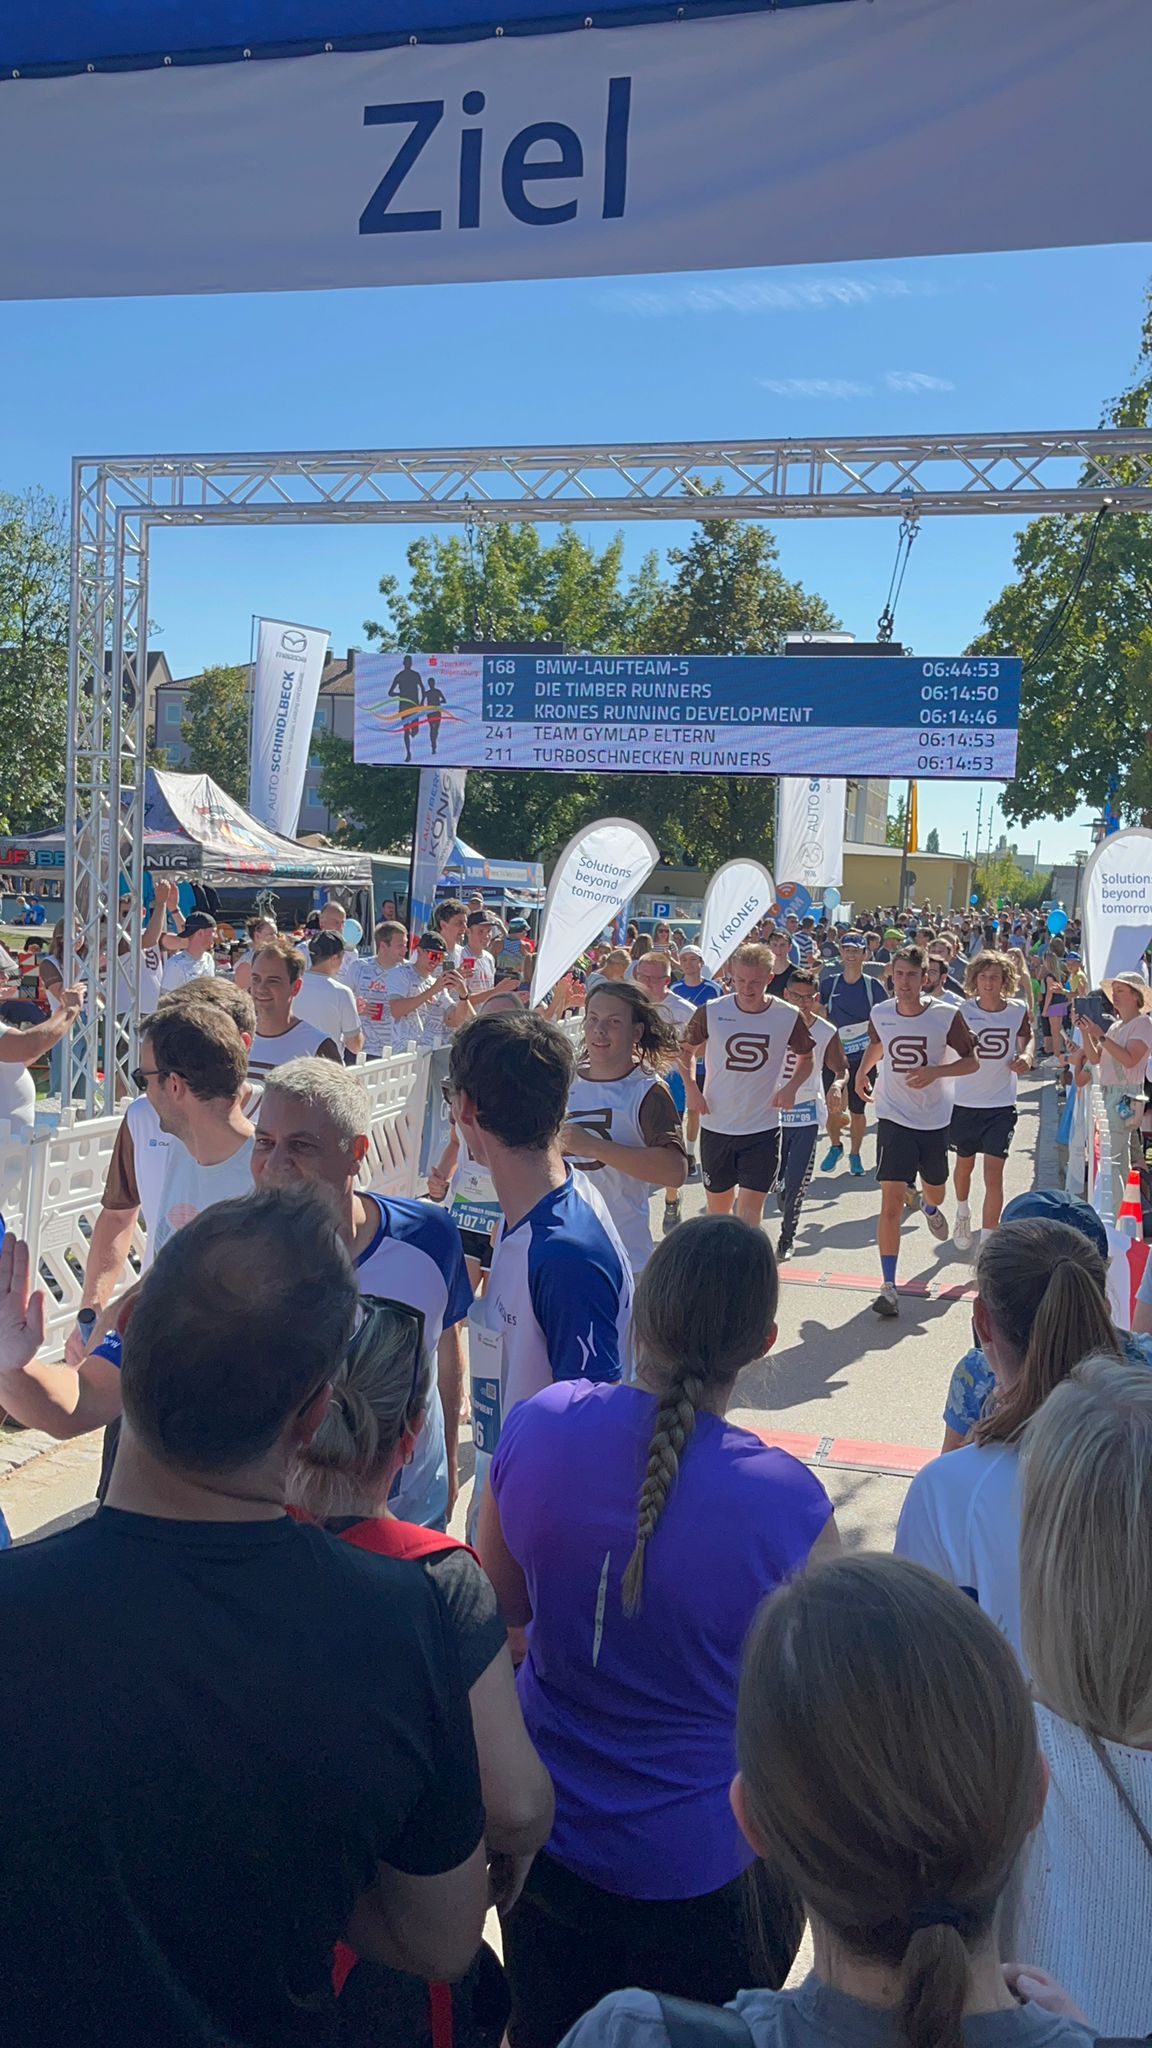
691	2025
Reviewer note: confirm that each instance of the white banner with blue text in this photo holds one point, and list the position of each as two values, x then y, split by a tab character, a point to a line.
438	809
796	135
285	685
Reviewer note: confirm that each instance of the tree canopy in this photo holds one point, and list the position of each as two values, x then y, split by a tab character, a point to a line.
1087	713
726	595
215	728
34	572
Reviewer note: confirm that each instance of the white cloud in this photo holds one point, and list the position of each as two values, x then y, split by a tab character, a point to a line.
916	380
764	295
814	387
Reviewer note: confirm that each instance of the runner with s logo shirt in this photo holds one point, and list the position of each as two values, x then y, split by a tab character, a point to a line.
920	1049
984	1116
800	1125
746	1039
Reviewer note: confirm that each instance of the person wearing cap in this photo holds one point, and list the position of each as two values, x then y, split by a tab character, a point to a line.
196	957
1124	1052
450	919
477	965
973	1382
848	997
427	999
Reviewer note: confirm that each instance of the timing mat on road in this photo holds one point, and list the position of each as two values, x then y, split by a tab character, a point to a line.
850	1454
811	1276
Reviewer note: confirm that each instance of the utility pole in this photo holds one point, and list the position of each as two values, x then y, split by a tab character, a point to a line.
903	890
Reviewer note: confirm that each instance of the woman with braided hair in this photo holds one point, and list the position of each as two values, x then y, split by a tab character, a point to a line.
634	1531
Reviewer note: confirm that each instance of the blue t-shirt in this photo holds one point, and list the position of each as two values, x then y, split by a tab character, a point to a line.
973	1381
849	1002
698	992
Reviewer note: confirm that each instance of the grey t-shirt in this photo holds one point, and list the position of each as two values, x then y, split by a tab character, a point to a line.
814	2016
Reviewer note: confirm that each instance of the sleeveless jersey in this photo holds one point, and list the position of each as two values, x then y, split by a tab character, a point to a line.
744	1058
637	1110
806	1113
996	1036
910	1043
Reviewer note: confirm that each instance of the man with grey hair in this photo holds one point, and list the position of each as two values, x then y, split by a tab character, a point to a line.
313	1125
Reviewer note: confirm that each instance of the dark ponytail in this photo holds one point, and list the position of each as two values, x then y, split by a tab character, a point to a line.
1044	1286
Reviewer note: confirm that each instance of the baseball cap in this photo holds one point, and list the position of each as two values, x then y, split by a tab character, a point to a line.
691	953
518	924
852	939
199	921
431	943
478	917
1047	1205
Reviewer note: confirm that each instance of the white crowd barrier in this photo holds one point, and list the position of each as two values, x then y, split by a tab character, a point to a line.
51	1182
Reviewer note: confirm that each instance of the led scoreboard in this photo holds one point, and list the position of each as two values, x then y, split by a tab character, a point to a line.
949	716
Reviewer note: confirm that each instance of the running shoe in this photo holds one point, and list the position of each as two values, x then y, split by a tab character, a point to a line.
672	1216
693	1167
855	1166
783	1248
961	1229
887	1302
832	1158
938	1225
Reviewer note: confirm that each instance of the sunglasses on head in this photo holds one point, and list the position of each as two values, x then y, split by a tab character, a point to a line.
374	1308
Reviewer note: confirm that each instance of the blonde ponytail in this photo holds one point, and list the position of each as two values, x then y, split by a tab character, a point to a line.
379	1396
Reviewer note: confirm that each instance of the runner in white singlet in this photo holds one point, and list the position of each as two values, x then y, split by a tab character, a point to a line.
746	1038
624	1129
984	1115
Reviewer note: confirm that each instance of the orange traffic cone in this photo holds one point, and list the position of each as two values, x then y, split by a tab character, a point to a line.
1131	1217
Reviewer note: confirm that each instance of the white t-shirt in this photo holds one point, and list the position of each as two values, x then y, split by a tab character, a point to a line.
150	1148
932	1039
1084	1881
150	980
328	1004
180	967
370	982
678	1012
810	1093
961	1518
996	1037
299	1040
428	1026
472	1199
189	1187
1137	1031
637	1110
745	1053
482	975
17	1090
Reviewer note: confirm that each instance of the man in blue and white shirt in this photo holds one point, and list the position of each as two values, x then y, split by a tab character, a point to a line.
559	1300
313	1125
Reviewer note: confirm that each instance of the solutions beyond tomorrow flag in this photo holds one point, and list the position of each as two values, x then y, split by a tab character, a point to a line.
601	867
285	685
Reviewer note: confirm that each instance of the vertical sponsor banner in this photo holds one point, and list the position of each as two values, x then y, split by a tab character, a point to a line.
602	866
1117	900
438	809
739	895
285	685
810	831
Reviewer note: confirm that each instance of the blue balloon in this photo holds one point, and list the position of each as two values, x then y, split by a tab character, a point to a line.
1057	922
353	931
831	899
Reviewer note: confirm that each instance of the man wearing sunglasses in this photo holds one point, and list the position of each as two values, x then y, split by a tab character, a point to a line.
313	1126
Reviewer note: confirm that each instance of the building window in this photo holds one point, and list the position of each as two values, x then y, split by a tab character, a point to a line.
173	713
312	800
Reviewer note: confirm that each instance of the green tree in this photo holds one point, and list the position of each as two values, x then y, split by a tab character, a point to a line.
215	728
894	833
1087	712
34	572
999	874
932	843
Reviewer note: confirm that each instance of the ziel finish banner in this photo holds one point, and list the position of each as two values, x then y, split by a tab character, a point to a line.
947	717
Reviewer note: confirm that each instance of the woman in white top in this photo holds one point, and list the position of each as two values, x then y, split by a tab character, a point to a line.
21	1046
1083	1905
623	1126
1041	1307
1123	1051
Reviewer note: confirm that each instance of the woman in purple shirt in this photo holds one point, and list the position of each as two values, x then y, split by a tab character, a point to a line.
634	1532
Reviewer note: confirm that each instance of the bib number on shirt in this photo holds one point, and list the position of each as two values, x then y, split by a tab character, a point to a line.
854	1039
795	1119
486	1358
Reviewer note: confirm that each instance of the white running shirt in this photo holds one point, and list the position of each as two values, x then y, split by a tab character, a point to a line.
745	1053
910	1043
180	967
996	1039
293	1044
806	1113
637	1110
328	1004
190	1188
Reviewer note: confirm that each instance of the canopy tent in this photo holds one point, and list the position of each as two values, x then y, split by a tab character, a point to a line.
194	829
467	869
268	145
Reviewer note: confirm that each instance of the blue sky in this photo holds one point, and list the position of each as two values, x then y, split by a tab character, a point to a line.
983	343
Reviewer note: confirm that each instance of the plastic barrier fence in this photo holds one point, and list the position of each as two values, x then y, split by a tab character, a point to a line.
51	1184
